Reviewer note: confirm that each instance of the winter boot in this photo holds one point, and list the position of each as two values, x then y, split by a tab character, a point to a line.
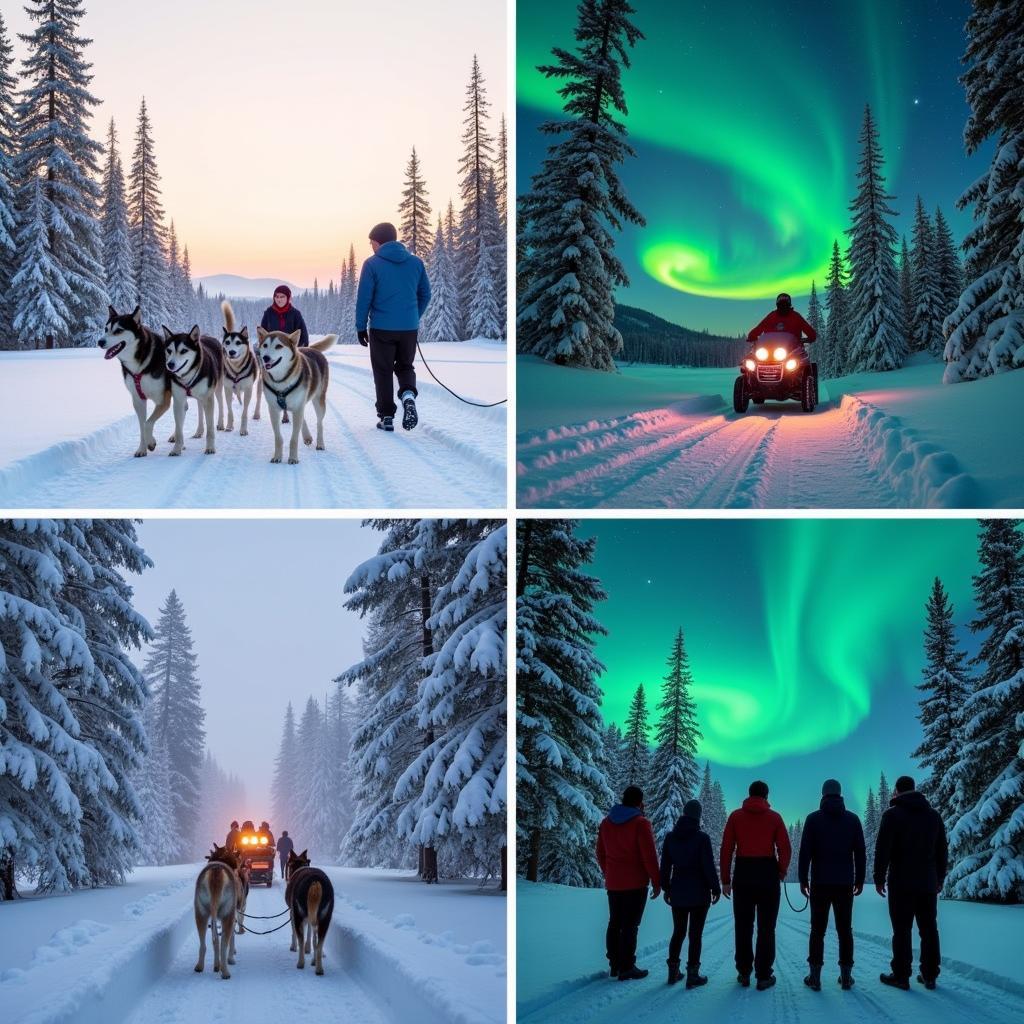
386	423
694	979
763	983
674	974
893	982
634	973
410	419
743	979
813	979
846	977
929	983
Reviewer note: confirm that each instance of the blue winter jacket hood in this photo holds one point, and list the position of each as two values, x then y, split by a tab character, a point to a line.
620	814
393	290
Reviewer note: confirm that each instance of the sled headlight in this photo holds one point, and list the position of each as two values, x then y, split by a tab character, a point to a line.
750	364
264	840
761	353
779	353
790	364
245	840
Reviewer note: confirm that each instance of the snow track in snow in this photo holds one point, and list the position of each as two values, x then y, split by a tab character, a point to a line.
849	455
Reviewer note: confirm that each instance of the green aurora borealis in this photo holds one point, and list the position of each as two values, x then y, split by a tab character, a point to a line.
804	635
745	117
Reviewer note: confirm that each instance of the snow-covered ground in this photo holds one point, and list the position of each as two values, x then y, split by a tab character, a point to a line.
658	437
560	973
397	950
67	434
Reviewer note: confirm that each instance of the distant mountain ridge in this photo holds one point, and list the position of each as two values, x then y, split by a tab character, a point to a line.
235	286
648	338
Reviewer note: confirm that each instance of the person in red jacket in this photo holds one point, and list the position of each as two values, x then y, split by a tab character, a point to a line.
629	860
784	318
758	837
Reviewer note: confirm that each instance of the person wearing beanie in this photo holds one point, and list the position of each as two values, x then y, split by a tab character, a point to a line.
393	294
281	315
690	884
629	860
832	864
911	858
757	835
233	835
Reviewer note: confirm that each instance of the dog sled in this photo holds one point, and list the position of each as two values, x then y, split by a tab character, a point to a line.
256	848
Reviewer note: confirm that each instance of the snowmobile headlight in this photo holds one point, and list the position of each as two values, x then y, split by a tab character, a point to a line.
779	353
750	364
264	840
790	364
245	840
761	353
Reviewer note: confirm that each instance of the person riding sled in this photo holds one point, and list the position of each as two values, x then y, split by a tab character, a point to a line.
282	316
393	294
690	883
784	318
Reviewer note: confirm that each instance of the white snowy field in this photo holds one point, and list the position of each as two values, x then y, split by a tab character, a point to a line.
658	437
68	433
561	975
397	950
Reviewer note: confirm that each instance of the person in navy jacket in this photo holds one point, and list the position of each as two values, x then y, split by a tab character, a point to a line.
393	294
281	315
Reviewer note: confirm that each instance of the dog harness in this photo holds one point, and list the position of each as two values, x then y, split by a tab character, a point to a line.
188	387
238	380
281	395
137	377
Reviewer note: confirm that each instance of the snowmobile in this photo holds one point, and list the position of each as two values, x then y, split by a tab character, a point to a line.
256	848
777	367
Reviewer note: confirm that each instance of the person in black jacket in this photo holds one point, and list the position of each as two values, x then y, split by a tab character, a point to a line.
691	887
284	847
281	315
832	866
911	857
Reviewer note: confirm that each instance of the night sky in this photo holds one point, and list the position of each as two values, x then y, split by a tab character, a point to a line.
804	638
745	118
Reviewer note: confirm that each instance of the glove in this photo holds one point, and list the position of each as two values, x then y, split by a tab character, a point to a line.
364	338
805	890
715	897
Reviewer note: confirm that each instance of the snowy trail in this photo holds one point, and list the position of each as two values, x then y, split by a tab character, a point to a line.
600	1000
845	455
265	984
455	458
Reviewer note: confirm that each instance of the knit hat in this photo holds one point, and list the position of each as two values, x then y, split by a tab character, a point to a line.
283	289
831	788
692	809
384	232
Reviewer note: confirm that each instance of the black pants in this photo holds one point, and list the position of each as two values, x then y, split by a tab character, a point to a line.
391	355
625	911
906	906
694	918
756	892
838	899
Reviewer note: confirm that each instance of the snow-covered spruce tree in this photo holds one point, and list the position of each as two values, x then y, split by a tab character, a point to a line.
476	160
444	314
501	171
456	787
414	209
872	816
945	688
172	675
223	800
58	159
117	250
146	229
926	329
189	305
305	820
576	201
874	296
485	315
948	268
159	842
796	831
8	149
338	733
906	293
814	315
561	791
287	767
175	283
636	750
713	812
884	795
674	775
985	333
613	760
988	839
832	362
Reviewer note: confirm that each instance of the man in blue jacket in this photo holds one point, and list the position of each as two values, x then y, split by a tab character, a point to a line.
393	293
832	867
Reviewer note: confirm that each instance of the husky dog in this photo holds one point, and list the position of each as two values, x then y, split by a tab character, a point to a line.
218	898
310	898
196	366
293	376
241	373
243	890
145	371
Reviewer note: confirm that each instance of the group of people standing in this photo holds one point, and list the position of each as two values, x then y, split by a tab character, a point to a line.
909	869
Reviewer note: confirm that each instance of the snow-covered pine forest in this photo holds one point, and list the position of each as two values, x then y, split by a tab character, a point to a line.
82	232
883	299
572	765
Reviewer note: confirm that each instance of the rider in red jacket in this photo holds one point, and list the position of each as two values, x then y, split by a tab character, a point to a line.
784	318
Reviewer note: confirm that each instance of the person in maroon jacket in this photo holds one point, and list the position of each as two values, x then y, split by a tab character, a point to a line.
629	860
758	837
784	318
